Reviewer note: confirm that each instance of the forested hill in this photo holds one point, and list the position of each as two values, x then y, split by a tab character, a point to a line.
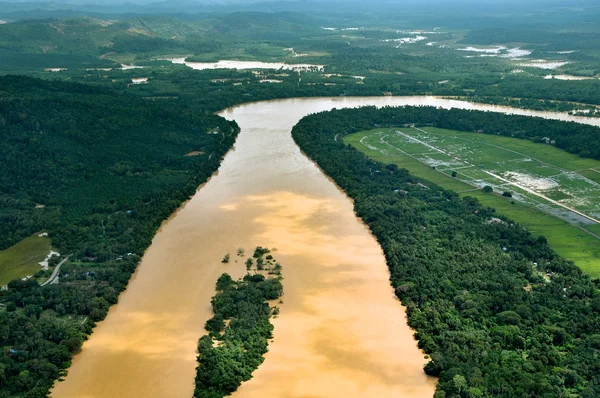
496	310
99	172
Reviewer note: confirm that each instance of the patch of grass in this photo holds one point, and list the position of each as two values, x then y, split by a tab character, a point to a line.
22	259
567	240
555	194
593	175
594	228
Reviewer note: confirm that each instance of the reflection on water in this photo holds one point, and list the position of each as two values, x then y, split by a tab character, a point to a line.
341	331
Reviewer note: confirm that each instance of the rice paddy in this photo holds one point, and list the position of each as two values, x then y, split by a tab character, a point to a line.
549	191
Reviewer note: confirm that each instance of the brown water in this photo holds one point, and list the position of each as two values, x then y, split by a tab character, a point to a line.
341	332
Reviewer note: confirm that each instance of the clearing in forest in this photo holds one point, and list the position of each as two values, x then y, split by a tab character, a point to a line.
23	259
550	191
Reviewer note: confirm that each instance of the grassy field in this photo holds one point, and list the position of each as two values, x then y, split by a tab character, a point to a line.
472	155
23	258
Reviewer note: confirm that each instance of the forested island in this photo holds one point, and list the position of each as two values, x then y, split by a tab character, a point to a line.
240	329
495	309
99	172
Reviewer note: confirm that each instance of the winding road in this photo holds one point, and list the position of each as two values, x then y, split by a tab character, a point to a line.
55	272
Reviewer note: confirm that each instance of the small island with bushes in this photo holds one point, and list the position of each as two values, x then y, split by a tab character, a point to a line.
239	332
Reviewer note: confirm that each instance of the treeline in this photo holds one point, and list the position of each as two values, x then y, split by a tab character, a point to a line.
239	332
547	40
100	172
585	91
539	105
496	310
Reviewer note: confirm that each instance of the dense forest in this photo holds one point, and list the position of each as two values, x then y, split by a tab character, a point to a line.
99	172
495	309
240	329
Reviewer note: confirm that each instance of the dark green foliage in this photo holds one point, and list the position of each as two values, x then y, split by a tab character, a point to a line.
230	353
260	251
498	312
109	169
87	153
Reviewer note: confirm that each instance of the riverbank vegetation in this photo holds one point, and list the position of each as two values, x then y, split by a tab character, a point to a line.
239	331
540	105
108	169
495	309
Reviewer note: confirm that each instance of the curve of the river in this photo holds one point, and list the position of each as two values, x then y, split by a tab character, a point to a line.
341	331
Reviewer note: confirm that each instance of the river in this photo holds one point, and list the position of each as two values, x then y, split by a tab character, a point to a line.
341	331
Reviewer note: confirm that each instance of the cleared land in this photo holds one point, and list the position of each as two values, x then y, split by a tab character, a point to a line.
554	193
23	259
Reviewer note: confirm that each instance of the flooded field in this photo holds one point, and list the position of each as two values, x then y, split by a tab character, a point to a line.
341	331
537	174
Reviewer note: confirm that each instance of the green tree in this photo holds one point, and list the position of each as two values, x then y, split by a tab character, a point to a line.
460	383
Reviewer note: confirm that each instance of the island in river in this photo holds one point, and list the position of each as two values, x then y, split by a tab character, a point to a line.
240	330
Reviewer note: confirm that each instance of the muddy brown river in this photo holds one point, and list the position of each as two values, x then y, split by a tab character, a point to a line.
341	331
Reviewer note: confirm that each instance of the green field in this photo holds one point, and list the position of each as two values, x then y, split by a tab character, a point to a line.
543	180
23	258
